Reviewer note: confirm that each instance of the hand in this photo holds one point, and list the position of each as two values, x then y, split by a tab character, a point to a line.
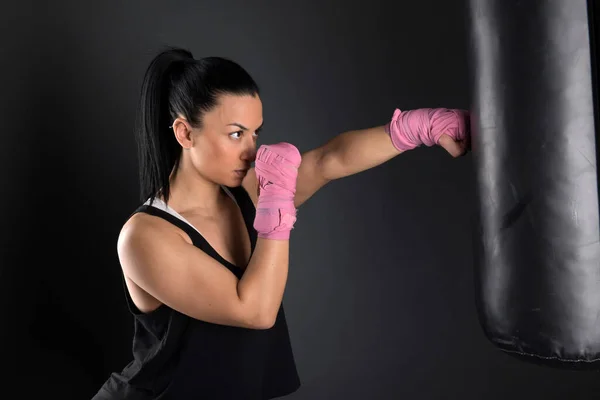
458	144
448	128
276	169
455	148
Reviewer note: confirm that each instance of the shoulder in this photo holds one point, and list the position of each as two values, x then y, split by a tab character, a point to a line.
146	243
142	229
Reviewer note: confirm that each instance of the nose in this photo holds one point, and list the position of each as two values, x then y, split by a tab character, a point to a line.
249	153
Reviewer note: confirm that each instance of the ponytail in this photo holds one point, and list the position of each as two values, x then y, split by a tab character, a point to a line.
158	150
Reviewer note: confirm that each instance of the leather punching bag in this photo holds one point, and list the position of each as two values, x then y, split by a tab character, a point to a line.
534	123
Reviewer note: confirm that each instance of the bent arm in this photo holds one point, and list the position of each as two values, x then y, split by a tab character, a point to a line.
181	276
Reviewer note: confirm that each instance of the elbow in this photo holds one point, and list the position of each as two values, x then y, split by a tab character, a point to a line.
262	321
265	322
329	165
258	316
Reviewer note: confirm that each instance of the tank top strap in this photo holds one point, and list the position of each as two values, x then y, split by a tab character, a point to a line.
245	204
197	239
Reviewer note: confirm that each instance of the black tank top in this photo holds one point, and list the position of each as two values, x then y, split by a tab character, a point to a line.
178	357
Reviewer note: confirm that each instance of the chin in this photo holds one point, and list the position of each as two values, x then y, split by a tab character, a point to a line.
233	182
236	180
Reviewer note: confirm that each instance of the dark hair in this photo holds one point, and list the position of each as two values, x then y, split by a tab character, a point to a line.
177	84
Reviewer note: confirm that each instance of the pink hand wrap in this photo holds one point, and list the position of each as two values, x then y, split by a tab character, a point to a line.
276	169
410	129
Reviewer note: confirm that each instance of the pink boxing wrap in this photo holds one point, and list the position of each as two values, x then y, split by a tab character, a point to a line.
276	169
410	129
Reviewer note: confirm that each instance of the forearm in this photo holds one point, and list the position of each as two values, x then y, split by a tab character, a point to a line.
355	151
262	287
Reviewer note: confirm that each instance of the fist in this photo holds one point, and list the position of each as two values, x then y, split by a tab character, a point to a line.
277	164
457	142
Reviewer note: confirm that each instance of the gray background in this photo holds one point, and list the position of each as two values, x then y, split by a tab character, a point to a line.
380	299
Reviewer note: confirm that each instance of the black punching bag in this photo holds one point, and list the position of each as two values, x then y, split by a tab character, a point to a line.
534	123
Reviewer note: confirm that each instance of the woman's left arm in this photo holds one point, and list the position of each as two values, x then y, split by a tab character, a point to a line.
345	154
355	151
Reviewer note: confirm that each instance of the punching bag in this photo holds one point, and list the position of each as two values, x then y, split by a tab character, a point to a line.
534	123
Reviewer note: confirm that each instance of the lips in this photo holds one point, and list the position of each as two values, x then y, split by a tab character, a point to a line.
240	172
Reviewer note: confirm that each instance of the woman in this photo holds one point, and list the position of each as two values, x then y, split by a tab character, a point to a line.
205	257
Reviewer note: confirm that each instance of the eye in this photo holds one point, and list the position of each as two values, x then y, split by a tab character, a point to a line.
240	133
237	133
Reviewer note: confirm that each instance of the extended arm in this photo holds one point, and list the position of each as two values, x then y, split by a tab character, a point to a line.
355	151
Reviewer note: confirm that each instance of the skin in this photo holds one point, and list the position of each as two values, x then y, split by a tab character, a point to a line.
159	261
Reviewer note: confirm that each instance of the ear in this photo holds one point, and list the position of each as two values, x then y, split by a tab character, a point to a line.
183	131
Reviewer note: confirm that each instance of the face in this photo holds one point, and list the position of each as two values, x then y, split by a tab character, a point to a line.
223	149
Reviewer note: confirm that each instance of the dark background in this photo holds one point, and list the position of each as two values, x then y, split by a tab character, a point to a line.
380	299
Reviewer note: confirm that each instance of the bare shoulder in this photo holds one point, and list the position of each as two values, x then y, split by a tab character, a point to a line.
141	234
135	238
142	226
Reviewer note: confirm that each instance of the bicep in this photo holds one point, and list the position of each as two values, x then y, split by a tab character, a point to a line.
182	277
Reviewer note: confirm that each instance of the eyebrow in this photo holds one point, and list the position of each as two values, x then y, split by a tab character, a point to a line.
243	127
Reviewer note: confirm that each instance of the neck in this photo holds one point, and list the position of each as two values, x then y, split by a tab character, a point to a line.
191	193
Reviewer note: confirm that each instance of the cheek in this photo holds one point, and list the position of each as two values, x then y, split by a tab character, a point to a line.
222	150
213	155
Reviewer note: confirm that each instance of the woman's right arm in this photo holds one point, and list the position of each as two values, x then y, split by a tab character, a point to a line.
161	262
186	279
